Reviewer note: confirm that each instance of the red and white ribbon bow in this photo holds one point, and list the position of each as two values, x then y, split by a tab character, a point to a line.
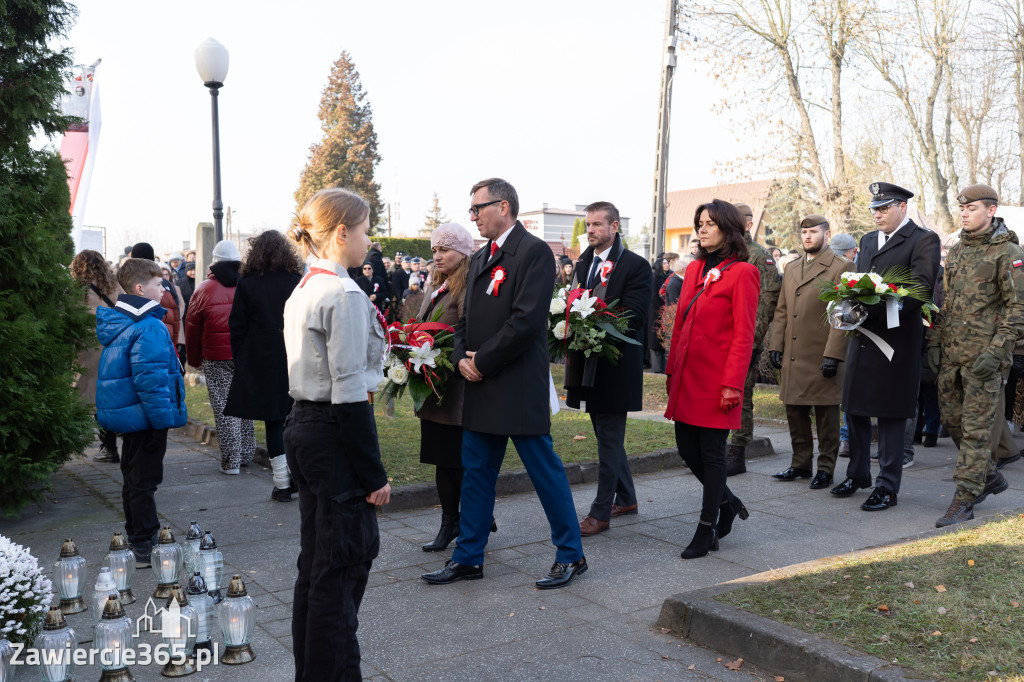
606	269
498	276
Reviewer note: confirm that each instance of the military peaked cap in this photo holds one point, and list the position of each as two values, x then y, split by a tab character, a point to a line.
977	193
884	194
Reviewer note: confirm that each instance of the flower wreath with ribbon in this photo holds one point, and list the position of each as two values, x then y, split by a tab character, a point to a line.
498	275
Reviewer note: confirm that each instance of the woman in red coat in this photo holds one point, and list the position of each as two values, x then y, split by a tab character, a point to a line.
712	341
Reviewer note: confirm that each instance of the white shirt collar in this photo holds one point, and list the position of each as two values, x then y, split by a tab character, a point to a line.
604	254
882	236
500	241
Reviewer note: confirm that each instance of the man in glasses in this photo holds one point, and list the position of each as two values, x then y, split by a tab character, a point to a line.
877	385
501	349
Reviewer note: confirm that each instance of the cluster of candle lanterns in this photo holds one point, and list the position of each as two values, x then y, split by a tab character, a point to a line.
188	580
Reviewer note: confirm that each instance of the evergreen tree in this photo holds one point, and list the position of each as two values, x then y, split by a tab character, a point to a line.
43	319
579	227
347	154
434	217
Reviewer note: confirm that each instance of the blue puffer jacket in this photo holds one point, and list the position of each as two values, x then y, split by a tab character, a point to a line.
139	384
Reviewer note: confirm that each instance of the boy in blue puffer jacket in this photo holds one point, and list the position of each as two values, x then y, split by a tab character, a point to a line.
140	394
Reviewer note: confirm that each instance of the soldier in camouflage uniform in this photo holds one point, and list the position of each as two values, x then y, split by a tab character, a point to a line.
771	284
982	317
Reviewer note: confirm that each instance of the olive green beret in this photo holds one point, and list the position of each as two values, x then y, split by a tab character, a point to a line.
745	210
977	193
813	220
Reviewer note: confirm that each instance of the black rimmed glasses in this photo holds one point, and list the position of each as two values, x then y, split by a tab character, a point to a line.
474	210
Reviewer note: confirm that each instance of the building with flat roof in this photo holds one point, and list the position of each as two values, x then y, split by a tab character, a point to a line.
554	225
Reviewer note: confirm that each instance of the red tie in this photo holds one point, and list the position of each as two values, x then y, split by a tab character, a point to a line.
494	249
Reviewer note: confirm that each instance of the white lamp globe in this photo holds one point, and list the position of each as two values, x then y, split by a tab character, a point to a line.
212	62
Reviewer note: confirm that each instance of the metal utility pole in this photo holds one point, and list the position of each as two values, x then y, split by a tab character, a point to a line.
664	121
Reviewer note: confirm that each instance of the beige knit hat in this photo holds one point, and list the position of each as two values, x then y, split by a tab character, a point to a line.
452	236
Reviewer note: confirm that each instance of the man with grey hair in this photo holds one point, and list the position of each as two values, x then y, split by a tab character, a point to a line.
844	245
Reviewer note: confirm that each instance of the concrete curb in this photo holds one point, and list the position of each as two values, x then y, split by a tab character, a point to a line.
419	495
785	650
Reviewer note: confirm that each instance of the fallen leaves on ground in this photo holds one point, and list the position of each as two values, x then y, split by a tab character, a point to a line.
973	640
735	665
691	666
579	437
780	678
883	608
908	585
940	588
970	562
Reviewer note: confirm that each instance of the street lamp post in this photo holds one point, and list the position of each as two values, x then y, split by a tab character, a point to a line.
212	65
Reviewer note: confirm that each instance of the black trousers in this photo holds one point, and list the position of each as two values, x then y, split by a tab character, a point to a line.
703	451
338	542
614	480
142	468
891	435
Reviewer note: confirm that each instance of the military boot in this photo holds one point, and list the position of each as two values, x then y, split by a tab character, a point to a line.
994	484
958	512
734	460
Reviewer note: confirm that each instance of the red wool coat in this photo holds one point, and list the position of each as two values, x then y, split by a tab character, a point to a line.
712	348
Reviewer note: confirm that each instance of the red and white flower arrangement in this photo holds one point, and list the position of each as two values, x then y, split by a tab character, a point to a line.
419	358
580	321
848	299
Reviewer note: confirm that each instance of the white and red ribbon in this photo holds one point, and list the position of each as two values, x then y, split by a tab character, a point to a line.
437	292
606	269
498	275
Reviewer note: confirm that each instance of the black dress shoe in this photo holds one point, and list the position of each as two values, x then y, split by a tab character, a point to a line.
453	571
727	513
791	474
561	574
850	486
1009	460
880	498
705	539
930	440
821	480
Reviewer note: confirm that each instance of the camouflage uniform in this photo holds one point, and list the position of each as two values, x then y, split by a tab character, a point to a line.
983	311
771	284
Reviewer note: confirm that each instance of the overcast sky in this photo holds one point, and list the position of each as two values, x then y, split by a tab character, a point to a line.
558	97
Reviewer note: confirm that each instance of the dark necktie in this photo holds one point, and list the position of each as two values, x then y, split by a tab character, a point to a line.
591	283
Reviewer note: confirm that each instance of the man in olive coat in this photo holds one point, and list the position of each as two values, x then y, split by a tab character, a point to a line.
810	355
876	384
610	390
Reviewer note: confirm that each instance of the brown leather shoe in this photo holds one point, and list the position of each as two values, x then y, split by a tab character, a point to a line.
591	526
623	511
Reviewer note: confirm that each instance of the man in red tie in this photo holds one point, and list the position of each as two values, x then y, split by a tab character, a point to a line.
501	349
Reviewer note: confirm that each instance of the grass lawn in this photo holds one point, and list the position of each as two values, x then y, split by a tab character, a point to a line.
947	607
571	432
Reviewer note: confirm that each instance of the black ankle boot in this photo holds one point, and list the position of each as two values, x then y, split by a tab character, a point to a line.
494	525
448	532
727	513
706	538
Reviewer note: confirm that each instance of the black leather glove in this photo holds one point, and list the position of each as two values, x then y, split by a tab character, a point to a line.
829	367
775	357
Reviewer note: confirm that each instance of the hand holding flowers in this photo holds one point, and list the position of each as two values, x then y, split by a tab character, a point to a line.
580	321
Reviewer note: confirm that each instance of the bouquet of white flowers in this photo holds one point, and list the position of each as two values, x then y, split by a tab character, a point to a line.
578	320
25	593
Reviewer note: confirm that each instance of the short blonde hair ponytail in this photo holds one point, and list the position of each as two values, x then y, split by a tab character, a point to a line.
325	210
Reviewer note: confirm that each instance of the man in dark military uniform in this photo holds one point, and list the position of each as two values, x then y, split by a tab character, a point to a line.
878	385
771	284
982	317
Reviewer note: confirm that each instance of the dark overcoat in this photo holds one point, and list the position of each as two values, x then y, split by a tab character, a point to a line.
876	386
617	387
259	386
509	334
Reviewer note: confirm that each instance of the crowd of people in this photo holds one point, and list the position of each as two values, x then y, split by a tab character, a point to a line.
298	341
